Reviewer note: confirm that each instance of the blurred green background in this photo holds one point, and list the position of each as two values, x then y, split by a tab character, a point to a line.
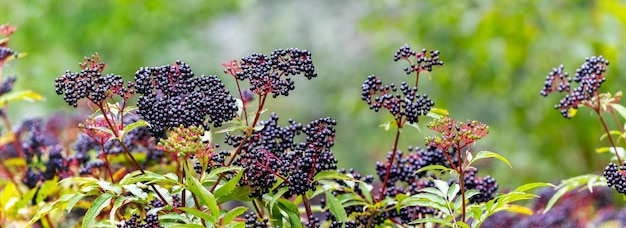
496	53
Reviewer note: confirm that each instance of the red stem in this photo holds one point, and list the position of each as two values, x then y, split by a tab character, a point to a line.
391	160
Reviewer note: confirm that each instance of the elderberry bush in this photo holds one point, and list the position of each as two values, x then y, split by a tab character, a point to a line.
407	104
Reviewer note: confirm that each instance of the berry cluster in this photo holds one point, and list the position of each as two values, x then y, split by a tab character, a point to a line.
424	62
90	83
589	77
408	104
403	176
311	156
486	186
149	221
171	96
270	153
615	177
252	221
7	85
271	74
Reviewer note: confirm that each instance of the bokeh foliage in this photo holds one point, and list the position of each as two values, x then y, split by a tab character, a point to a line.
497	54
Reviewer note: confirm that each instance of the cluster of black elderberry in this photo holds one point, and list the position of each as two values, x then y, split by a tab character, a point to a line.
171	96
423	61
616	177
149	221
271	74
486	186
589	77
252	221
7	85
270	153
90	83
403	177
408	104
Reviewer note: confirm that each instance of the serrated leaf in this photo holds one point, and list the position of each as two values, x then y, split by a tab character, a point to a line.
232	214
96	207
335	207
489	154
27	95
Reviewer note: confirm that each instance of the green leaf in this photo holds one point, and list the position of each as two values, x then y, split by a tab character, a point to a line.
437	113
489	154
136	191
130	127
43	212
108	186
439	168
223	191
366	191
72	200
200	214
387	125
335	207
232	214
121	201
331	175
27	95
442	186
292	212
277	196
572	183
100	203
534	185
435	220
203	194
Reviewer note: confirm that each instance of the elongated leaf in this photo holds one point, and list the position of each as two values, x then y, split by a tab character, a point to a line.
435	220
619	108
277	196
489	154
570	184
232	214
72	200
292	212
108	186
27	95
335	207
331	175
439	168
226	189
204	195
136	191
130	127
442	186
534	185
197	213
519	209
100	203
